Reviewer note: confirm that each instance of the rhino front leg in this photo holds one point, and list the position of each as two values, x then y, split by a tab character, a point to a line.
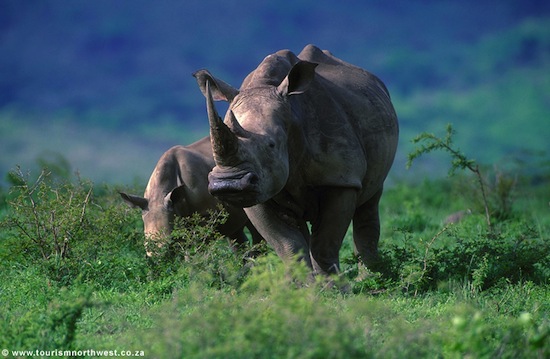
288	240
337	206
366	231
256	237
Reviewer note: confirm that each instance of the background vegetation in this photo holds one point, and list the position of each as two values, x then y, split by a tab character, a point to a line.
108	85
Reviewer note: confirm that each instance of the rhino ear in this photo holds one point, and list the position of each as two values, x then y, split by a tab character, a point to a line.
221	91
135	201
298	79
178	199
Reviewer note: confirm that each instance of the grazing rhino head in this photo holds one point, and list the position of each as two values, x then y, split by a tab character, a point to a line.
158	212
251	145
178	187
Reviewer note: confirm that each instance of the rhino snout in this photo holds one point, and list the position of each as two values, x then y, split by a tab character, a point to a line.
219	186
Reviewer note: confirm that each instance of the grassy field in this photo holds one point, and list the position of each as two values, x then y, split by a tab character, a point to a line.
75	277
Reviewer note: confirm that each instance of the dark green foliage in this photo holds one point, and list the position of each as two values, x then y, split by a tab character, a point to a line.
45	217
197	250
190	235
423	254
270	317
65	318
459	161
431	142
445	290
483	260
58	224
519	337
50	321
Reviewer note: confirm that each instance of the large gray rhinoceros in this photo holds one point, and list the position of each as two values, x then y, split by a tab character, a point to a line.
178	186
307	138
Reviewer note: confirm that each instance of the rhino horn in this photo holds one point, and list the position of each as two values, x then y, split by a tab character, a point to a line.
224	142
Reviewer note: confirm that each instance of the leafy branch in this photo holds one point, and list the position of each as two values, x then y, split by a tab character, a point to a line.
46	215
430	142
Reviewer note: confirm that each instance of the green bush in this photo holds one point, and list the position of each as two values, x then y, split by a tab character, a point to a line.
269	316
50	321
59	225
473	334
48	217
445	290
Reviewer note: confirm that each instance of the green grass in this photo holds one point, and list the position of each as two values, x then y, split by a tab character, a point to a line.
448	292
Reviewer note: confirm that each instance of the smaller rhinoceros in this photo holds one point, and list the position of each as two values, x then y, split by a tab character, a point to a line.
178	186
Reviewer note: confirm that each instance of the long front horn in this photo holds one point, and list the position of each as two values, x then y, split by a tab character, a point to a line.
224	142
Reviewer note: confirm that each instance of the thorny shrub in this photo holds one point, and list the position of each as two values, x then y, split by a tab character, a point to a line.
46	216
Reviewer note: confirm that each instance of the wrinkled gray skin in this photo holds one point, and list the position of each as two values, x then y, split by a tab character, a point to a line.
178	186
307	138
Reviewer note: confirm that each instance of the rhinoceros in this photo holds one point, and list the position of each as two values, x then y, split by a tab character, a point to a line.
307	138
178	186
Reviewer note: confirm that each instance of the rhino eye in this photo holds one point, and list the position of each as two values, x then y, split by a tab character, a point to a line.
271	144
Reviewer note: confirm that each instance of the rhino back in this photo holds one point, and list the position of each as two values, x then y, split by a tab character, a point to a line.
194	162
183	165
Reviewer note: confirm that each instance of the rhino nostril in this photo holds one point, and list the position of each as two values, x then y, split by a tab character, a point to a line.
251	178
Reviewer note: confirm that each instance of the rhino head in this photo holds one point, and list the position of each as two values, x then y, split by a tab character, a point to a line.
158	214
251	144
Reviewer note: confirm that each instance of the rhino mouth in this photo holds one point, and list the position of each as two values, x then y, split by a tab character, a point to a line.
238	189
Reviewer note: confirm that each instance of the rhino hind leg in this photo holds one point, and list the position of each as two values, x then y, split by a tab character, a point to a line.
366	232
